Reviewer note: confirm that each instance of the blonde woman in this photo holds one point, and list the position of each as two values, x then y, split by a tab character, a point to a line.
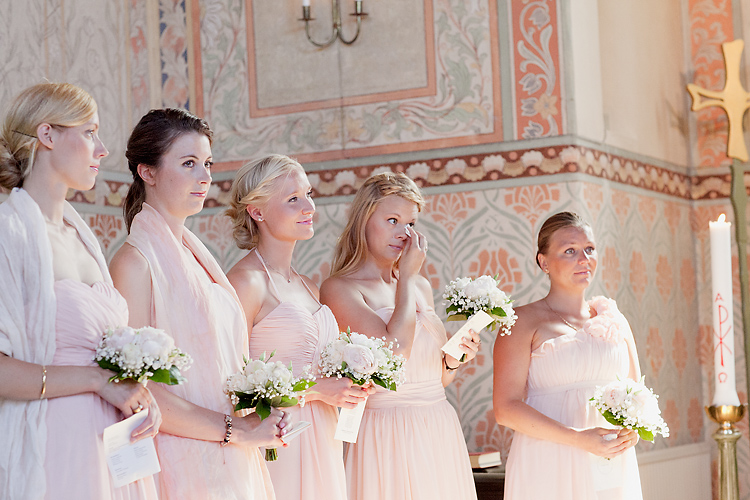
272	209
56	300
171	281
410	444
561	348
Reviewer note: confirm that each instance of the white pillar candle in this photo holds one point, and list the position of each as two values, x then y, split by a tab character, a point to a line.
723	315
305	3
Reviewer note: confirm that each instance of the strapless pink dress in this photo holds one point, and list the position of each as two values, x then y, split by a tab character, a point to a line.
312	467
76	466
410	444
563	376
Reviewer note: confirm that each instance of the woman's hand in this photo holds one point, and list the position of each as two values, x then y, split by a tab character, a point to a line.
607	443
131	397
413	254
470	346
338	392
251	431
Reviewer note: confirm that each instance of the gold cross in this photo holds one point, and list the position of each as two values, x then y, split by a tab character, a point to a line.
732	98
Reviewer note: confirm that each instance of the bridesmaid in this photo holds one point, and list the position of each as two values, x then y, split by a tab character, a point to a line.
172	282
56	300
410	444
272	209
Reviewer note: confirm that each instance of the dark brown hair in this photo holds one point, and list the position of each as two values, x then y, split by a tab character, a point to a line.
149	141
553	224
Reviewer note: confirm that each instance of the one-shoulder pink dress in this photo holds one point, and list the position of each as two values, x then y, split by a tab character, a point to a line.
75	465
563	376
410	444
312	466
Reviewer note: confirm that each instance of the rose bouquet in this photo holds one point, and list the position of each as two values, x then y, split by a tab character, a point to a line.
263	384
141	354
480	303
632	405
364	360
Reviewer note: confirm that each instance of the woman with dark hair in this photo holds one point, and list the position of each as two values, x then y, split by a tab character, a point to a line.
172	282
410	445
56	300
561	348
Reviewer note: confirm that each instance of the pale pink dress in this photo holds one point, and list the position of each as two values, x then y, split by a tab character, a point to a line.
194	302
563	376
312	467
75	465
410	444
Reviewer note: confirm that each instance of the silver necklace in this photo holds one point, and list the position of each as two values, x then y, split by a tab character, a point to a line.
559	315
288	280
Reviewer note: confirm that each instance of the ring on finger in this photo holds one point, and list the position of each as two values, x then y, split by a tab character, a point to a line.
138	408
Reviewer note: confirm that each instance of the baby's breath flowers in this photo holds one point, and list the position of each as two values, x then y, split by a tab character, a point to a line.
264	384
141	354
632	405
465	297
363	359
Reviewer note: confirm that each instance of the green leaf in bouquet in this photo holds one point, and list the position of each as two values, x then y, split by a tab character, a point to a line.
457	317
263	409
498	311
286	401
451	308
645	435
108	365
162	376
610	417
302	385
244	358
175	377
380	382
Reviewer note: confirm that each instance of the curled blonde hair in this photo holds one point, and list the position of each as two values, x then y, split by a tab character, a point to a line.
553	224
60	104
253	185
351	247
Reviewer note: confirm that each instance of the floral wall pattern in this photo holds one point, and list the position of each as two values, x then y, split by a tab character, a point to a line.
536	55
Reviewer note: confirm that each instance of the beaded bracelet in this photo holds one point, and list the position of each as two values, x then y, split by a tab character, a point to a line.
228	435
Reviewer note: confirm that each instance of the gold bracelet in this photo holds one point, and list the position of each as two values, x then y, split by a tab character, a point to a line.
44	382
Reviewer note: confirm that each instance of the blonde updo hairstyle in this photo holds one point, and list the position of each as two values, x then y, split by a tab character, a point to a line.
553	224
56	104
351	247
254	185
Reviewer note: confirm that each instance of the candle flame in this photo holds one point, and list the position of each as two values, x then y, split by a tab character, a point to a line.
722	218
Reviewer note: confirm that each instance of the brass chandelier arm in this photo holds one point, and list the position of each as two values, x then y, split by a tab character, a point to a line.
337	28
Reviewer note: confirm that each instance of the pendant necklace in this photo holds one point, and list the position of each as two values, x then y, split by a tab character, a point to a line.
559	315
288	280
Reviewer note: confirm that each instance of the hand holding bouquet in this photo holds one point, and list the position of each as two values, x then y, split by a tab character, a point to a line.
632	405
141	354
364	360
263	384
480	303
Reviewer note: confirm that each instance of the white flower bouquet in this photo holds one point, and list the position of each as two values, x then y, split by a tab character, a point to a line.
364	360
141	354
263	384
466	297
480	303
632	405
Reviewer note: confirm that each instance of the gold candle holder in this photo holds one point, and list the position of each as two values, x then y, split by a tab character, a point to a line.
726	437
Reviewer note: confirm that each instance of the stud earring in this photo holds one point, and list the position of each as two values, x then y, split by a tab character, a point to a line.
260	219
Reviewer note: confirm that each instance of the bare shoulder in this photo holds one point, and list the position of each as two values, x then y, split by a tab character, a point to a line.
530	317
336	289
248	277
127	263
423	284
311	285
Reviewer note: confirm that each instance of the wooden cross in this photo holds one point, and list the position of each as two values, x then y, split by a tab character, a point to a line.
733	99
